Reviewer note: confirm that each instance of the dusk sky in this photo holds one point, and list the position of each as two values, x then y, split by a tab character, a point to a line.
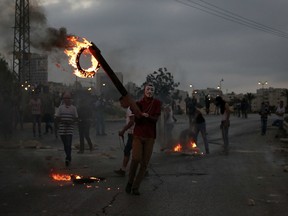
199	42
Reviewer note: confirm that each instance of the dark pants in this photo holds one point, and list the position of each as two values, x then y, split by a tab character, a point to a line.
263	126
67	142
37	120
100	124
128	146
48	122
84	133
142	149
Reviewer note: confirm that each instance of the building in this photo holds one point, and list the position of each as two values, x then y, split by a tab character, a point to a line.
270	95
38	69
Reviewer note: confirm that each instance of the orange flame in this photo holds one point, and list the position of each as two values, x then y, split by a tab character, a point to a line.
61	177
76	47
178	148
64	177
194	148
193	144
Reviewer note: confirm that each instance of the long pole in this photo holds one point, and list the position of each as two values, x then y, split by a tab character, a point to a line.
95	51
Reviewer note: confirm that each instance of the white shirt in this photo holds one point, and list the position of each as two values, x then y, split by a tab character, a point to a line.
128	115
282	111
67	114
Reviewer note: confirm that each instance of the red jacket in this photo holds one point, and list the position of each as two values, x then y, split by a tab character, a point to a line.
146	126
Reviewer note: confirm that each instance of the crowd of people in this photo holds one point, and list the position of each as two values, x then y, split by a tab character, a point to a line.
63	114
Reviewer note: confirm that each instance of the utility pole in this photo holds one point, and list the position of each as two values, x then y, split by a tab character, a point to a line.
21	49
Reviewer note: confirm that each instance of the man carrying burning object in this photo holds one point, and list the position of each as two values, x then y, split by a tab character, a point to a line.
144	136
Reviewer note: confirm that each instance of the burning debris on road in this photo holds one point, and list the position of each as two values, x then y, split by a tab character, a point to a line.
190	149
186	145
76	179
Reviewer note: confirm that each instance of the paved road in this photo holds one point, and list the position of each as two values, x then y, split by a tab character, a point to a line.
250	181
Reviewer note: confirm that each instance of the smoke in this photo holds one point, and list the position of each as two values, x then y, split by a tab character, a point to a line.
43	38
6	26
50	39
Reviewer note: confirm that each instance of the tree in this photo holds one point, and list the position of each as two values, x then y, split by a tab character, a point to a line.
8	89
249	97
6	79
164	84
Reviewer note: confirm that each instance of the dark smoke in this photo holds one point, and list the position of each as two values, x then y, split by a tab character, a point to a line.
6	26
43	38
51	39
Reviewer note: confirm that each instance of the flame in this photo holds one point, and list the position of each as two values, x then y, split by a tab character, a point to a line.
61	177
64	177
193	144
195	148
77	46
178	148
191	147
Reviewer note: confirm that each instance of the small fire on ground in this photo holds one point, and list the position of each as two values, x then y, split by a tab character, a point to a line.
190	148
77	179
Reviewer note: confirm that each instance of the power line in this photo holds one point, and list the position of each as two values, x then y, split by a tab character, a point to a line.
230	16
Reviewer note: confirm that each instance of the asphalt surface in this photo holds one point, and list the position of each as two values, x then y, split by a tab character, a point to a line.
252	180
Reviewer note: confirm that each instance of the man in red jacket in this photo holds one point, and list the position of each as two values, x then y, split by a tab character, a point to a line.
144	136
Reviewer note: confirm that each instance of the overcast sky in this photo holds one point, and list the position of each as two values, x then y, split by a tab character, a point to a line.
199	46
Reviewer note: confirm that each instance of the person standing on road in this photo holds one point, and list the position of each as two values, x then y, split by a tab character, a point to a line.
36	111
100	106
280	111
129	126
198	124
169	121
264	112
144	136
84	117
66	116
190	106
225	122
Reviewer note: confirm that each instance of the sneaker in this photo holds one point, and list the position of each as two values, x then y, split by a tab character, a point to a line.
120	172
135	191
128	188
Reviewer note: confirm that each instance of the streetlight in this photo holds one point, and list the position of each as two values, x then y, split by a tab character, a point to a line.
262	83
191	86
